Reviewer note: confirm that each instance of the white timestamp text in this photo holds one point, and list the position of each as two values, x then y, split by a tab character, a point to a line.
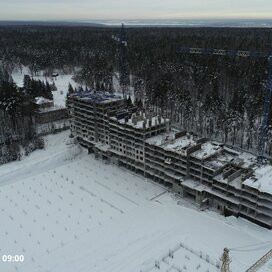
13	258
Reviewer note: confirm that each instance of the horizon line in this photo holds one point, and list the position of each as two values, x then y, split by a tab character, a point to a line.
136	19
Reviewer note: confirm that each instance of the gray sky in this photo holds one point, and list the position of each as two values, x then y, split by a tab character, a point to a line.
137	9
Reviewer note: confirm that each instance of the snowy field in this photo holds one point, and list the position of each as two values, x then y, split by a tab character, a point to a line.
61	82
67	212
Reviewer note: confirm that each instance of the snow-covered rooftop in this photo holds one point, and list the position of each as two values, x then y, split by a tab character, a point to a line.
42	100
214	164
169	141
96	97
248	159
243	159
181	144
207	149
262	179
143	122
52	108
161	138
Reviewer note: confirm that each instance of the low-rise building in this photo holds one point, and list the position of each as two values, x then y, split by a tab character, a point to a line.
50	118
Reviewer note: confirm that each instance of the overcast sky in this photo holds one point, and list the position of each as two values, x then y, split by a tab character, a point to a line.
137	9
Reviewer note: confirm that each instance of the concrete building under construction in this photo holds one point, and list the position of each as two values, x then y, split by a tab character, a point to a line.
203	172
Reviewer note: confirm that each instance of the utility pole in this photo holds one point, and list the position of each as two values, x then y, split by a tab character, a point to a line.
225	261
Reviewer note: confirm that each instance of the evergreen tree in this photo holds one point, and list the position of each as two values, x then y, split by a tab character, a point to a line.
128	102
70	89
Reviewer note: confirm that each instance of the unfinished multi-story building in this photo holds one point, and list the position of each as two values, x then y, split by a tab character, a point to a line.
203	172
211	175
89	117
128	136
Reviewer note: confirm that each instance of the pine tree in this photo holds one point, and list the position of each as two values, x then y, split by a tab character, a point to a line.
129	102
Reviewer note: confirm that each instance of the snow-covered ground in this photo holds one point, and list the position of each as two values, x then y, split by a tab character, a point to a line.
61	82
67	212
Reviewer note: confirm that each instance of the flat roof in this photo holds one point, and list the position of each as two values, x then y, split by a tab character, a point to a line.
140	123
168	141
42	100
261	179
207	149
239	158
214	164
97	97
52	108
162	138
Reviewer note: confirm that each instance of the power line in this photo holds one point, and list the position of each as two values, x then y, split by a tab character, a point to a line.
253	249
252	245
226	260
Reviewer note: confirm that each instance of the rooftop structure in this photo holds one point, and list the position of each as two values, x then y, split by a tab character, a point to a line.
50	118
182	143
141	121
261	179
214	164
43	101
207	150
97	97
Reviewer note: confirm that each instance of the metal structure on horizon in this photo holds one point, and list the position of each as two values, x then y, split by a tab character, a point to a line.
268	93
123	60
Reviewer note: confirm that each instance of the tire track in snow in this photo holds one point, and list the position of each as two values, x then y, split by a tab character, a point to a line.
128	199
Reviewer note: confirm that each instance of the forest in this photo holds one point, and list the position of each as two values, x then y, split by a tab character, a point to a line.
217	97
17	110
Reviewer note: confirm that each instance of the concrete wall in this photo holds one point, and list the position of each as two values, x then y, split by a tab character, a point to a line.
51	116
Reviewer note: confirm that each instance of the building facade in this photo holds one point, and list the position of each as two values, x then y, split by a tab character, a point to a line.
203	172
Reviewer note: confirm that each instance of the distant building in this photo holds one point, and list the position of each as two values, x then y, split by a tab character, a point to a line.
203	172
55	75
50	118
42	102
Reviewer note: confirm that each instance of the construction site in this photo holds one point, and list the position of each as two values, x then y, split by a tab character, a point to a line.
206	173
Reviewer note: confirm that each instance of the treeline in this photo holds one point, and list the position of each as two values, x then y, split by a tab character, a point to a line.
37	88
17	123
42	48
218	97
